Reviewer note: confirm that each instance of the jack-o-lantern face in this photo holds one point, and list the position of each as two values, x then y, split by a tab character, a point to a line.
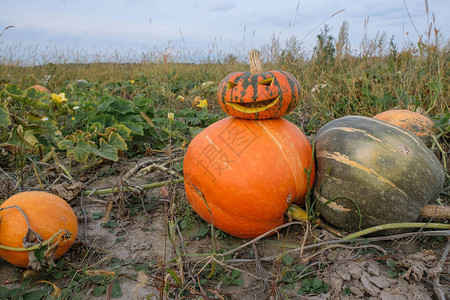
264	95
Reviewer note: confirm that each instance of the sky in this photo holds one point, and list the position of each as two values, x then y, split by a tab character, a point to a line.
201	26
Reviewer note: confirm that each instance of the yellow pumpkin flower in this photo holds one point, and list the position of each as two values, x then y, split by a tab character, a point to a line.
59	98
203	103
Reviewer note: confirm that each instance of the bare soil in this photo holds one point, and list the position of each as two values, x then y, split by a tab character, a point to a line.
132	240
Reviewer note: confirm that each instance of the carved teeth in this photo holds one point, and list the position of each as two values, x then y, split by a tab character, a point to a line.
253	107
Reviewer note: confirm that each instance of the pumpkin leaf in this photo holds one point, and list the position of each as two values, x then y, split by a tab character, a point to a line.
288	260
82	150
116	141
5	121
123	131
13	90
107	151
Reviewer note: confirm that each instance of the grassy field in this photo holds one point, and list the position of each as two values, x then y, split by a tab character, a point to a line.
112	122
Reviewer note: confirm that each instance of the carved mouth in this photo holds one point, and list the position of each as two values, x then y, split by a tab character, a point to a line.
253	107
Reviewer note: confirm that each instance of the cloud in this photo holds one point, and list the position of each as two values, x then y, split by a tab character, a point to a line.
226	24
220	5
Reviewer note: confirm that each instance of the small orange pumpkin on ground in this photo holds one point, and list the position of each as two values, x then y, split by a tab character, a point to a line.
256	94
46	213
420	125
241	175
41	88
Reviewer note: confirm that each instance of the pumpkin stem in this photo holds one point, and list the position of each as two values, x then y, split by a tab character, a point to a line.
255	62
21	211
396	226
34	247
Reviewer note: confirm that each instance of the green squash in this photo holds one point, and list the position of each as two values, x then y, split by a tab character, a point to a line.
370	172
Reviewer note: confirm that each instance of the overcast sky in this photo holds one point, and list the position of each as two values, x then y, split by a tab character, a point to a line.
202	25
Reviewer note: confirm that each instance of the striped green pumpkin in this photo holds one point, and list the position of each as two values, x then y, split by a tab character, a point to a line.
370	172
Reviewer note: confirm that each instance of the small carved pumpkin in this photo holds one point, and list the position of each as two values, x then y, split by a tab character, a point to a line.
258	95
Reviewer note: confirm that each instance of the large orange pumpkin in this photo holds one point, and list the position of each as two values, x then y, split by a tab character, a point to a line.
420	125
241	175
257	94
47	214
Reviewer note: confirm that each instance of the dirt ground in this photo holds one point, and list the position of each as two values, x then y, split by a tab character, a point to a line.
133	241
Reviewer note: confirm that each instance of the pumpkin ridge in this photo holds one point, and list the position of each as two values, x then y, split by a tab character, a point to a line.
364	132
211	207
352	130
269	133
344	159
294	88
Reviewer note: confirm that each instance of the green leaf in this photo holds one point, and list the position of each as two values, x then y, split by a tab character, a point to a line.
107	151
116	291
3	292
35	295
123	130
317	283
179	125
16	139
202	115
289	286
95	127
99	290
5	121
58	275
13	89
347	291
13	293
443	121
391	263
288	259
202	231
83	149
116	141
306	283
34	94
299	267
239	282
391	273
178	167
324	288
121	106
235	273
65	144
29	138
105	102
134	127
302	292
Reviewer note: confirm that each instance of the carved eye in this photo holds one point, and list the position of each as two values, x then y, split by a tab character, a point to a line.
231	85
267	81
